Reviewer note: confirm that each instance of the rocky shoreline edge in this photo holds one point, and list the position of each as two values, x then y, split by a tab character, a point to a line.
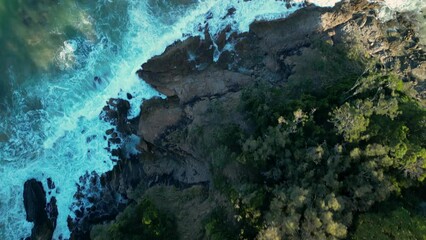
272	51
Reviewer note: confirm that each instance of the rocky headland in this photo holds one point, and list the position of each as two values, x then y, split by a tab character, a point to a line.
173	168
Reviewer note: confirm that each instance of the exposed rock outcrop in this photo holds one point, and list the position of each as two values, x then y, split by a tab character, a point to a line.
116	112
43	215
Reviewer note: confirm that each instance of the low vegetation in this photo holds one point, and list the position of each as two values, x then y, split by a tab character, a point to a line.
140	221
317	158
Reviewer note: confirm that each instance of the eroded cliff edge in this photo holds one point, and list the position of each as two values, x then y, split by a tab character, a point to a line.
174	168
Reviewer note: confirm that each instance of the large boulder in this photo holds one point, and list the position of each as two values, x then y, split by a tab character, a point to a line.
35	206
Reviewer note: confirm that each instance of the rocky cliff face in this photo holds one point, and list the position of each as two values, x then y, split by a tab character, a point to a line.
276	52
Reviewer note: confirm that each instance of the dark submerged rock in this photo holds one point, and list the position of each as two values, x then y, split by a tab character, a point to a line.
97	80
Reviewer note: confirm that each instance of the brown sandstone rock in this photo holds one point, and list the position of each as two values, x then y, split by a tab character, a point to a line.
157	115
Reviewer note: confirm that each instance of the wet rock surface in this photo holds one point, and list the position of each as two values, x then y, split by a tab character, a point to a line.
116	112
94	204
38	211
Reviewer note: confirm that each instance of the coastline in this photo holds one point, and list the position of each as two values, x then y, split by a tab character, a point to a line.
202	92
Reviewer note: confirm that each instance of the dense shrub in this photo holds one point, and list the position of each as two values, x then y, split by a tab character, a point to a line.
318	158
140	221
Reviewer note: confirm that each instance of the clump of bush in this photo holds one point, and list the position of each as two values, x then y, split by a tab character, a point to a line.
139	221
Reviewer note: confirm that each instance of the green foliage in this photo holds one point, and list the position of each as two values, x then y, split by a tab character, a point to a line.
320	153
219	227
321	85
141	221
325	71
250	201
397	224
387	117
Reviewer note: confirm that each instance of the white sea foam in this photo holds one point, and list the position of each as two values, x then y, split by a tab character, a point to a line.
391	7
324	3
404	5
66	57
